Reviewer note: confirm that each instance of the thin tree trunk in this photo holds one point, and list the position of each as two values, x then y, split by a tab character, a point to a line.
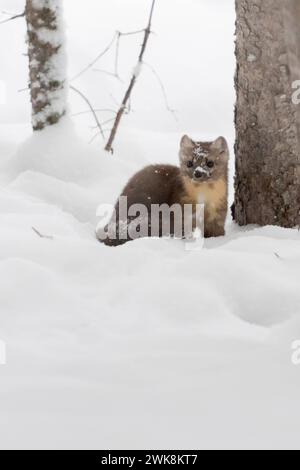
47	67
267	122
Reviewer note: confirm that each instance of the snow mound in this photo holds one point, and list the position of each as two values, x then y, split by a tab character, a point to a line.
102	341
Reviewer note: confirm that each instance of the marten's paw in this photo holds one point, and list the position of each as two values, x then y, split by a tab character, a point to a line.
113	243
215	233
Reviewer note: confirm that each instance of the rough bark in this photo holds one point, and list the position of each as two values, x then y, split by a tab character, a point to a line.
267	122
46	61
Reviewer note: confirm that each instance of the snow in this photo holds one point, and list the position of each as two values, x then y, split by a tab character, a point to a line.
137	69
202	170
200	152
251	58
149	345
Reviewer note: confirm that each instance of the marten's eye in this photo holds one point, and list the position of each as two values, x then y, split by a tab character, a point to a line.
210	164
190	164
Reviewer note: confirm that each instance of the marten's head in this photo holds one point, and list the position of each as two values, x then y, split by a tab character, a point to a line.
204	161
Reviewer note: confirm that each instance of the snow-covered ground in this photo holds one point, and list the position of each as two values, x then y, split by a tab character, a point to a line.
147	345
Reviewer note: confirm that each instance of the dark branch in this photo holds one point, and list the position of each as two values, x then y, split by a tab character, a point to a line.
40	235
127	96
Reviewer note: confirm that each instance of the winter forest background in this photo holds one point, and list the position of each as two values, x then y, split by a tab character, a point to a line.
175	51
147	346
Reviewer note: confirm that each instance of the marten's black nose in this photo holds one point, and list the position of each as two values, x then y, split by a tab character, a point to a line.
198	174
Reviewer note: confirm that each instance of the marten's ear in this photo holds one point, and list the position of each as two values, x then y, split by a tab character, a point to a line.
220	145
186	143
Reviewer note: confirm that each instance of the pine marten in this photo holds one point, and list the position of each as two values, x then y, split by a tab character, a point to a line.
201	178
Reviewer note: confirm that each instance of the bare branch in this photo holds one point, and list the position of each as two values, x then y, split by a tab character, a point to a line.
7	13
117	103
127	96
110	74
99	56
119	35
163	89
14	17
117	54
104	123
107	121
94	138
116	37
96	111
131	33
91	108
97	135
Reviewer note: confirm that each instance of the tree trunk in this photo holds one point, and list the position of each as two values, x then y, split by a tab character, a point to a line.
47	67
267	122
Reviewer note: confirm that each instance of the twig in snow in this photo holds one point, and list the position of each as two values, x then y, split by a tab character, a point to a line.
40	235
127	96
91	108
13	17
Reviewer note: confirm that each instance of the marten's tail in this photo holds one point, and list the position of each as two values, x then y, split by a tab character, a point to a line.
113	243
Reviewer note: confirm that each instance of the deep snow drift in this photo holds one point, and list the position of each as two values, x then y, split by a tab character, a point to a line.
147	345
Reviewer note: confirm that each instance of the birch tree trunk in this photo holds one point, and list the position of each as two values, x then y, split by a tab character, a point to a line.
267	122
47	65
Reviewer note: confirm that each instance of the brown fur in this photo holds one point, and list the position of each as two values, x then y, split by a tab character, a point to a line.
167	184
214	196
